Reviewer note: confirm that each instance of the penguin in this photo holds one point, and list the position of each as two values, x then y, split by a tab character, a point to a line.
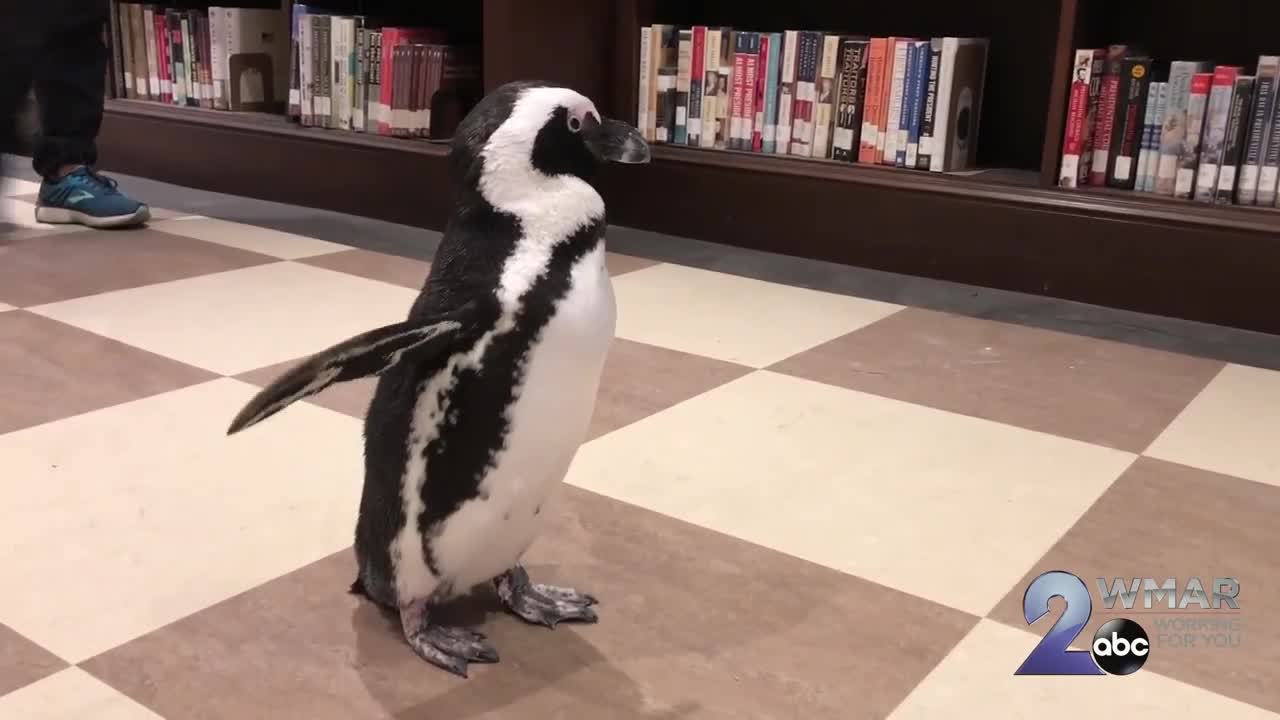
486	390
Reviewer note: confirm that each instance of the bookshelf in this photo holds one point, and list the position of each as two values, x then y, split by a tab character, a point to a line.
1004	225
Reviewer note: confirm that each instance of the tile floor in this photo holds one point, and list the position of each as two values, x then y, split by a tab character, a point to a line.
794	502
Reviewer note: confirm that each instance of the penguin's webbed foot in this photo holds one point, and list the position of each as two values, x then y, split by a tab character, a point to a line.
543	604
448	648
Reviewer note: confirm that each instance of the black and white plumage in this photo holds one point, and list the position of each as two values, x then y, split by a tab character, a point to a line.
487	389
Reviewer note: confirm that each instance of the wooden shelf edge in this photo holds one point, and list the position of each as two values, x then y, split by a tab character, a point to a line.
271	124
1092	201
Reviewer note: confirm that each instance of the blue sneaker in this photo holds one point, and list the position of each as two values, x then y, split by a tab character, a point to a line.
83	196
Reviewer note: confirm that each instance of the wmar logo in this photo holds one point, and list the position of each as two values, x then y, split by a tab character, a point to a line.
1120	647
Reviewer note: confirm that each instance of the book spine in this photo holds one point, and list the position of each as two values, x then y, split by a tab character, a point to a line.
1157	132
724	109
1259	128
160	36
306	70
1148	135
919	88
871	100
909	88
824	106
294	107
657	93
191	96
897	89
806	92
759	74
773	68
337	78
710	89
684	71
1091	115
324	67
1127	129
671	70
155	90
138	38
361	72
1105	119
1237	134
373	113
217	52
925	152
117	50
1217	116
751	69
1197	106
697	84
1173	130
1269	173
886	95
787	92
1077	113
127	45
642	81
736	91
848	121
206	49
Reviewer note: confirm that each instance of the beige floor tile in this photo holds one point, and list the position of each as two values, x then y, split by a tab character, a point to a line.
732	318
72	694
134	516
16	186
22	214
394	269
944	506
978	676
6	308
237	321
248	237
1230	427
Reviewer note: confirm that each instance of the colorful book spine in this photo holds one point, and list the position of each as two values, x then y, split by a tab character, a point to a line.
824	103
1104	122
846	142
1072	168
771	53
787	92
924	155
1217	116
724	108
893	118
1173	131
919	88
697	84
711	95
1128	127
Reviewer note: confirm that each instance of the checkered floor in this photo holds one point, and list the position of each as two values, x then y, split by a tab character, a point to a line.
793	504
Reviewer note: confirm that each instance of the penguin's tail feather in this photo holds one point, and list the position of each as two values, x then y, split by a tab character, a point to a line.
366	354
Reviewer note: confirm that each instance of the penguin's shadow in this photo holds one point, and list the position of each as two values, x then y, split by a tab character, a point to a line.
533	659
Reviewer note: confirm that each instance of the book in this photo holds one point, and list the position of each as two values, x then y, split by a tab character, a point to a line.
824	102
1262	111
1108	96
684	69
956	140
846	141
1173	131
1237	130
1128	126
924	155
915	109
697	84
771	55
1188	161
1213	147
787	92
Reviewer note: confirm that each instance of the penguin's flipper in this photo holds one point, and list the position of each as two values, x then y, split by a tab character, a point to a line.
366	354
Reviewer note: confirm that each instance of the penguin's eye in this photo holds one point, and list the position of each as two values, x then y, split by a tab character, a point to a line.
574	124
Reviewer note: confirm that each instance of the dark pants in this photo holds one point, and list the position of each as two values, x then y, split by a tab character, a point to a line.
55	47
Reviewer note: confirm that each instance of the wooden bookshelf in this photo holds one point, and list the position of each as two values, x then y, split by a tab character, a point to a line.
1005	226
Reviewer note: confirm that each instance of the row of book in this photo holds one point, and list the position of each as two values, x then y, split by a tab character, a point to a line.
1191	130
321	67
225	58
363	74
899	101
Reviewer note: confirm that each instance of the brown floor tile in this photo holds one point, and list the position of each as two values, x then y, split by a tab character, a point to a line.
75	264
694	625
1163	520
350	398
1107	393
52	371
394	269
22	662
640	380
620	264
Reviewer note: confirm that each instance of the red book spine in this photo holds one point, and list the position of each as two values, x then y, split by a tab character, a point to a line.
390	38
871	101
1073	134
735	108
751	63
759	72
162	57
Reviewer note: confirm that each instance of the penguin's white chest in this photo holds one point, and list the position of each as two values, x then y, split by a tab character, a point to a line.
547	422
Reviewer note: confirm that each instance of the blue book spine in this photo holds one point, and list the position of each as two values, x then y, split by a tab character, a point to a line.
904	117
772	71
920	71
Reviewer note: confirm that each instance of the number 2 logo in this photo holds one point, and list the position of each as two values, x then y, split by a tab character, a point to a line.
1052	655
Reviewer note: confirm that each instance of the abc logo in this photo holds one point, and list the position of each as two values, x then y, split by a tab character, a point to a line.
1121	647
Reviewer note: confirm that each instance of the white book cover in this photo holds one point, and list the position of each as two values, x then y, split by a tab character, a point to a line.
894	117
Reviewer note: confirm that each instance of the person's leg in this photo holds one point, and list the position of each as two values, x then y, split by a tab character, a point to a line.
21	26
69	76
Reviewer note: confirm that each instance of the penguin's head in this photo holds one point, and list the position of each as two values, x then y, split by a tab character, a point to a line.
539	130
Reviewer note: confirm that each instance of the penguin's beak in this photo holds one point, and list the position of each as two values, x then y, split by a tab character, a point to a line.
615	141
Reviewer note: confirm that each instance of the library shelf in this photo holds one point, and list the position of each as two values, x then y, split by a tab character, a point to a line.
1005	227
